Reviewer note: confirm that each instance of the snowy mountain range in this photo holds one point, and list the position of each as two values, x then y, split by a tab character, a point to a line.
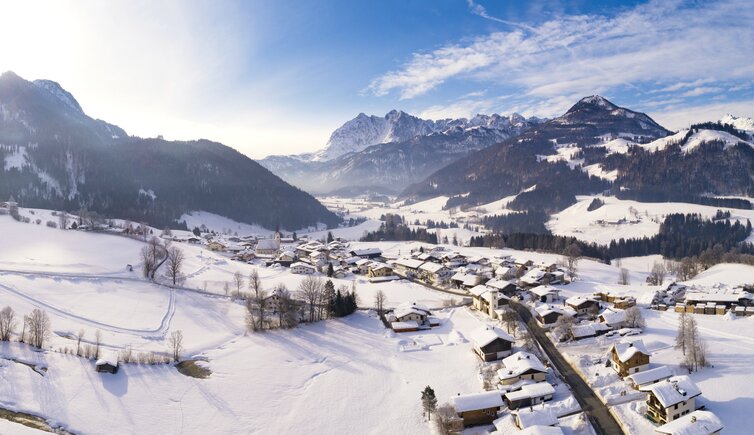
52	155
388	153
597	147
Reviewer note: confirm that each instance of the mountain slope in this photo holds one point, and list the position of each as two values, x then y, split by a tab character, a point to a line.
53	155
389	153
594	147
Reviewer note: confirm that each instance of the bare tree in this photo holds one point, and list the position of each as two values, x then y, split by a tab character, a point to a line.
510	318
79	337
688	268
97	341
251	319
572	255
175	342
175	261
658	273
310	290
634	318
238	282
623	276
7	323
38	326
379	301
147	263
680	338
287	307
63	220
563	328
226	288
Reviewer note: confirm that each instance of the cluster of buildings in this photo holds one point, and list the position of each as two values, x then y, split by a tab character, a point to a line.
522	390
671	400
716	300
8	206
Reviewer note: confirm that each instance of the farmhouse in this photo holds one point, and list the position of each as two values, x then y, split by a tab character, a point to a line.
588	330
549	314
368	253
434	273
694	423
505	287
215	246
302	268
583	305
267	246
408	312
613	318
376	270
407	267
545	293
671	399
533	278
629	358
491	343
107	362
478	408
530	418
519	367
649	377
528	395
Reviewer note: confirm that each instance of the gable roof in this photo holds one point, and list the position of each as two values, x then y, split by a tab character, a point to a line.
536	417
518	363
544	290
577	301
407	308
107	357
540	389
652	375
673	390
613	316
476	401
627	350
479	290
432	267
366	251
499	284
487	334
695	423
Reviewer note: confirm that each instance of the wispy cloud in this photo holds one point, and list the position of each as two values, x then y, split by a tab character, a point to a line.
481	11
702	90
681	46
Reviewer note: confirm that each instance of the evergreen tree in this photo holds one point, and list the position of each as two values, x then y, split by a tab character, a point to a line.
330	271
429	402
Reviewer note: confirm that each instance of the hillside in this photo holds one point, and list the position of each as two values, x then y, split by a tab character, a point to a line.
55	156
386	154
596	147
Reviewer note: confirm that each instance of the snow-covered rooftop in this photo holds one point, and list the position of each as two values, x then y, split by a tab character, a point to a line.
650	376
518	363
107	357
695	423
627	350
673	390
487	334
544	290
613	316
536	417
476	401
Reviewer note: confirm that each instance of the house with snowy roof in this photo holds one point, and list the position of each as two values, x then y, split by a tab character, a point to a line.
434	273
629	358
694	423
521	366
583	305
107	362
533	278
301	268
505	287
649	377
671	399
268	246
478	408
545	293
529	395
536	417
491	343
612	317
549	314
368	253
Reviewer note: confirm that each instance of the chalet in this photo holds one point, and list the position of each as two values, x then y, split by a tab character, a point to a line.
368	253
194	240
300	268
407	267
505	272
478	408
318	258
286	258
470	281
521	366
215	246
671	399
531	418
505	287
362	265
454	259
549	314
377	270
522	262
488	300
434	273
529	395
339	272
588	330
643	379
694	423
545	293
624	302
408	312
267	246
491	343
583	305
533	278
556	277
107	362
612	317
478	259
629	358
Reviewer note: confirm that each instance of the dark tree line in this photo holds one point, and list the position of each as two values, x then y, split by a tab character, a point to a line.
522	222
394	228
680	236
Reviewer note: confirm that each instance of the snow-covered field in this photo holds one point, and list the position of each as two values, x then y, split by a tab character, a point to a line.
328	377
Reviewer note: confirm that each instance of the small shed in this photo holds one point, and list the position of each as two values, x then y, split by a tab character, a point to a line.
107	362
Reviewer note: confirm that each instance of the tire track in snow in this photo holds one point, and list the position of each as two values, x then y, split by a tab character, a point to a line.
159	332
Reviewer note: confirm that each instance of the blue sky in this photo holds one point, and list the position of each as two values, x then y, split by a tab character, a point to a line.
275	77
